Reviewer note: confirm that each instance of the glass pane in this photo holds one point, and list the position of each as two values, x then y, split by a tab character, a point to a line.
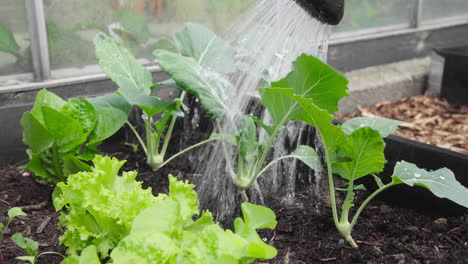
15	56
363	14
435	9
141	25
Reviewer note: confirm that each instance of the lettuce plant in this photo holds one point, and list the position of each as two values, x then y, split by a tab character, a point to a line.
111	213
63	135
353	150
100	206
135	86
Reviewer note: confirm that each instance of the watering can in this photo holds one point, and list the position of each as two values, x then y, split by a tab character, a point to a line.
326	11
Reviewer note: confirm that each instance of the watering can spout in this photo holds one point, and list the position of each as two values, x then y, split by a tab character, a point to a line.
326	11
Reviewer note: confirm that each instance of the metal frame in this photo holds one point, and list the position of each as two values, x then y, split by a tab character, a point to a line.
38	34
40	54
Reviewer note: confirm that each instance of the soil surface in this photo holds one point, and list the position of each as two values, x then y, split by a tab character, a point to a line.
425	119
305	231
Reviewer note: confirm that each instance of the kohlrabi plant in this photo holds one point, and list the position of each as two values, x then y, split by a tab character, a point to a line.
215	91
63	136
110	215
310	93
353	150
136	84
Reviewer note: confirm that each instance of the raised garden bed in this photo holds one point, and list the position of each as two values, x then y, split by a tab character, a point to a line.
387	232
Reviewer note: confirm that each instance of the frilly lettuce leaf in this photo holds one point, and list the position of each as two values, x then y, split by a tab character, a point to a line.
101	205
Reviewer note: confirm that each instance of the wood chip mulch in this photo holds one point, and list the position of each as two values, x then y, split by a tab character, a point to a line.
426	119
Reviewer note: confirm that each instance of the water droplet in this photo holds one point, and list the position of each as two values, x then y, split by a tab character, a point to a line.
442	177
406	169
362	125
417	175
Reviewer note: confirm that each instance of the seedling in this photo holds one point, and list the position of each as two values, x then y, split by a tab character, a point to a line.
12	213
135	86
31	247
355	149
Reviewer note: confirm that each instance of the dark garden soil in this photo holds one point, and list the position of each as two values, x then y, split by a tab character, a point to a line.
425	119
385	233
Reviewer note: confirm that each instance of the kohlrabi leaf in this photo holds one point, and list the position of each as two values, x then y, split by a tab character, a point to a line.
442	182
66	131
384	126
269	129
35	136
111	100
278	100
109	121
209	50
212	88
365	147
14	212
312	78
45	98
8	42
82	111
308	156
247	138
120	65
30	246
151	105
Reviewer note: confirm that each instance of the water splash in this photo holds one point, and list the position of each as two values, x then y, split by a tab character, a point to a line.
267	38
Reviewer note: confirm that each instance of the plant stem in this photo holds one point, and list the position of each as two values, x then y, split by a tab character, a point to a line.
226	154
48	253
143	146
331	185
186	150
347	204
272	163
56	161
363	205
150	155
244	196
167	138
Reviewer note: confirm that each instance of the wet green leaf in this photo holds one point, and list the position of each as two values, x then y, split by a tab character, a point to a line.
213	89
442	182
209	50
308	156
365	147
384	126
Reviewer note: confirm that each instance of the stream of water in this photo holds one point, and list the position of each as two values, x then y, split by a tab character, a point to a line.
267	38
